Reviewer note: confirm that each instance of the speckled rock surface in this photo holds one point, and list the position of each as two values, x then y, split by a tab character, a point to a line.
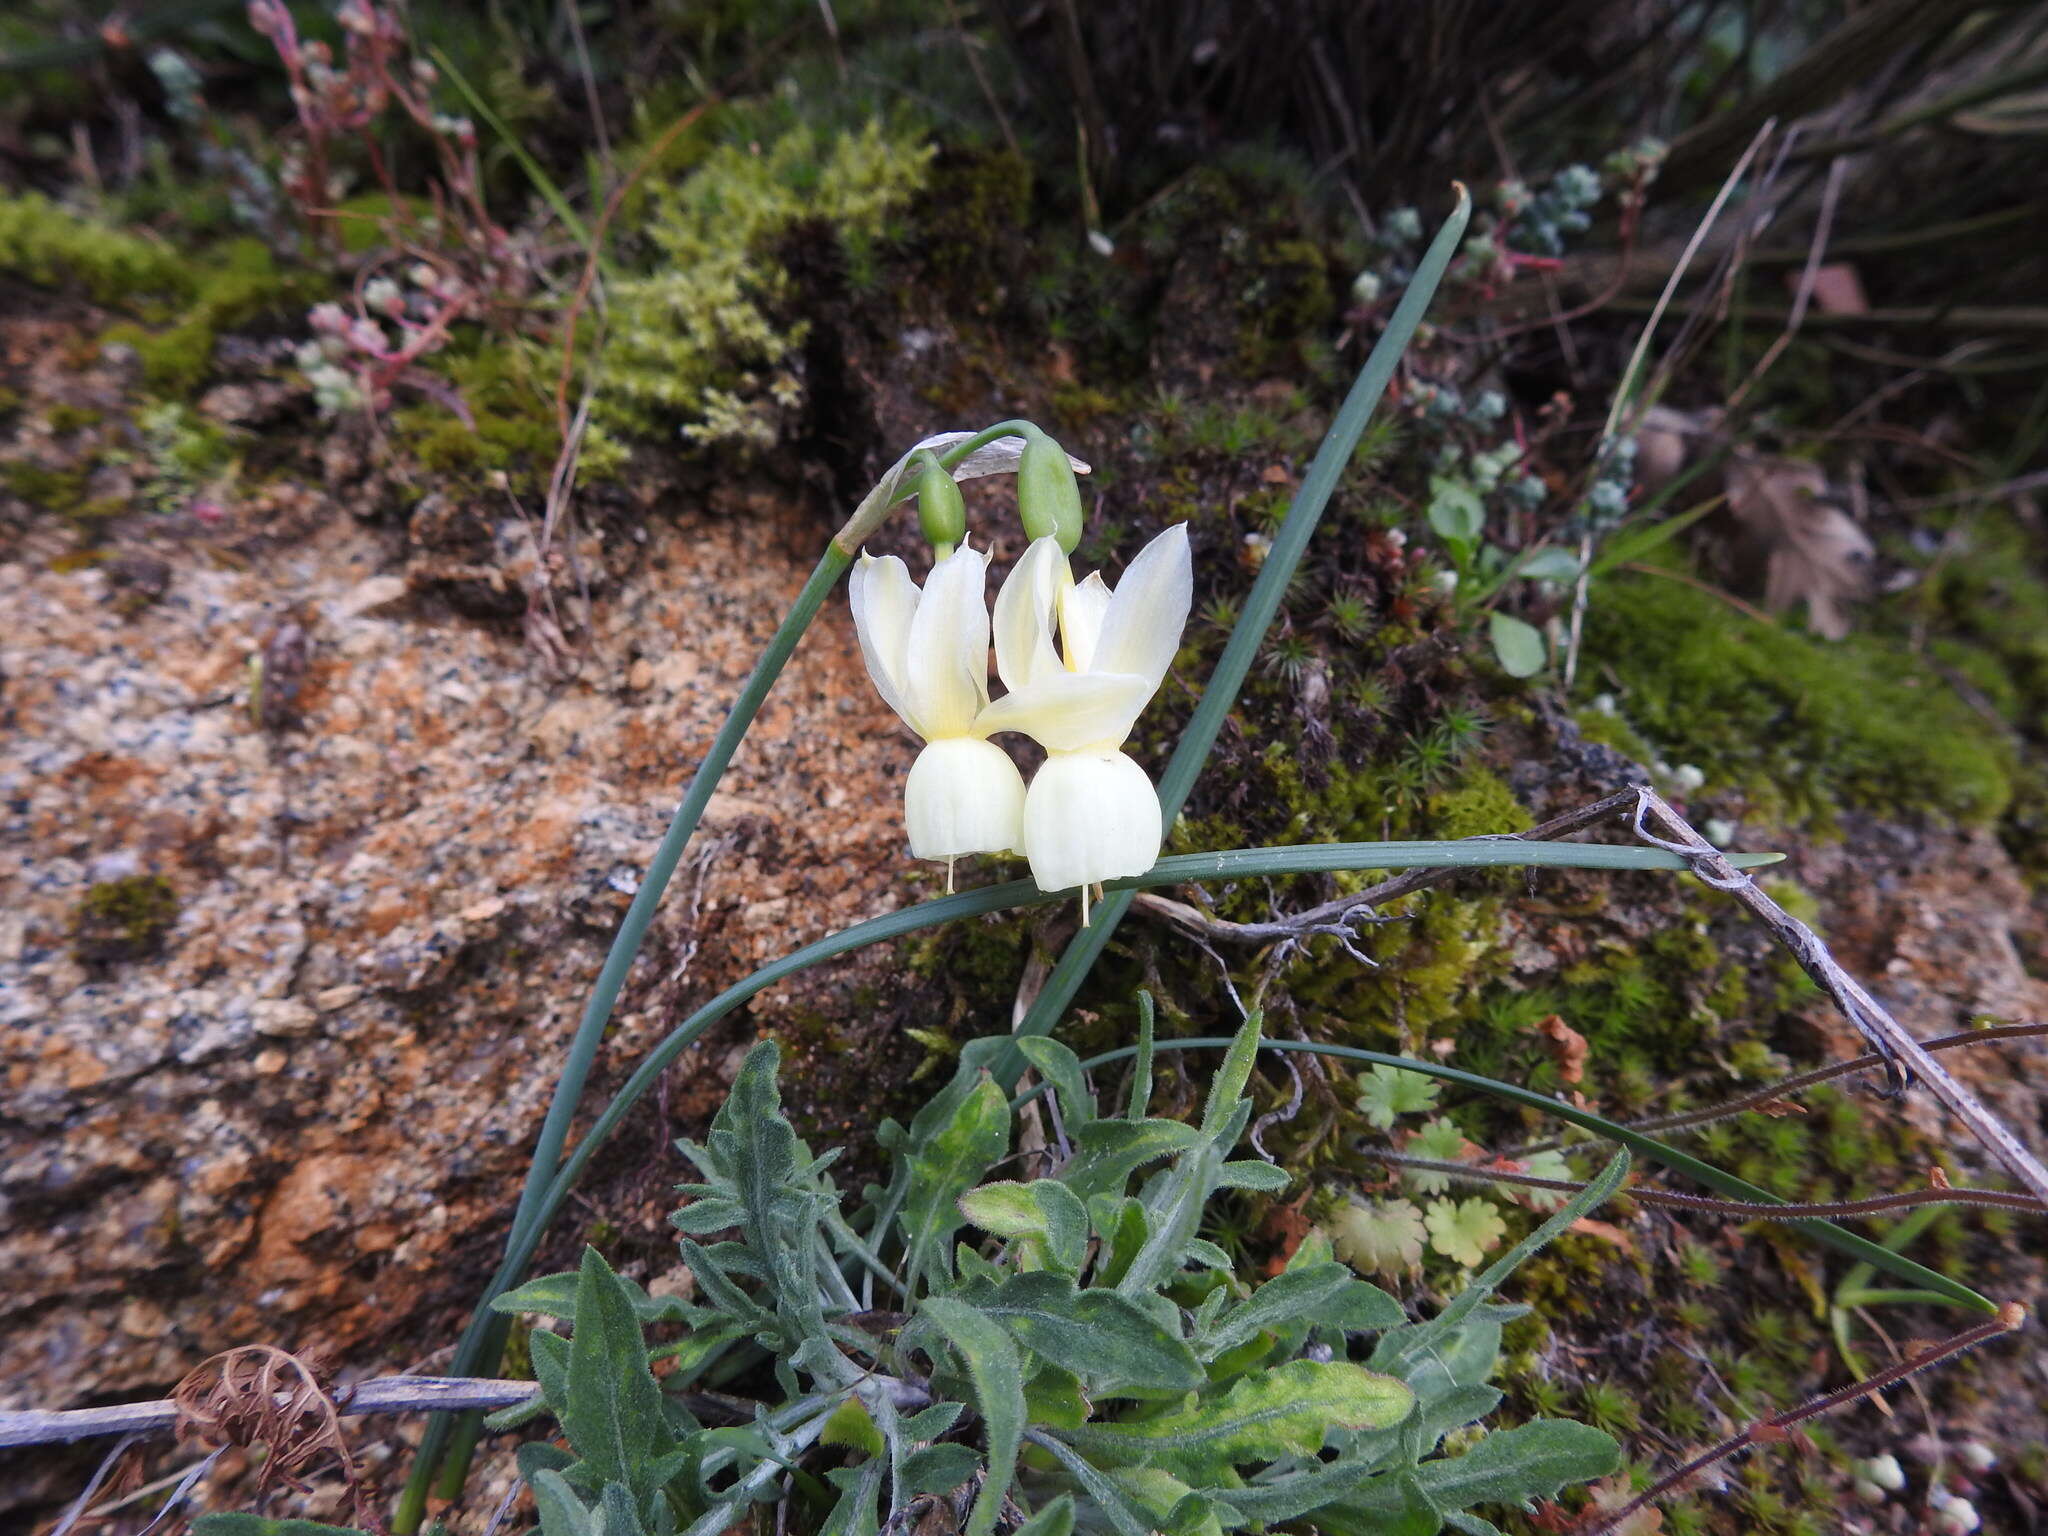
281	1123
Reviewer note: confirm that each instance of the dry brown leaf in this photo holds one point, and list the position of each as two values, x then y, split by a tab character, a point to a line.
1607	1230
1612	1493
259	1394
1811	551
1837	289
1566	1046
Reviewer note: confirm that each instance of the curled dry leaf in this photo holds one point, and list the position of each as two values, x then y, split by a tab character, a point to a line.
259	1394
1566	1046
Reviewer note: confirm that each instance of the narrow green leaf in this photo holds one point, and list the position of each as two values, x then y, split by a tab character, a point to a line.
946	1168
859	1488
1264	1178
1107	1496
561	1512
613	1414
1056	1519
939	1468
1108	1152
550	1354
1226	1089
543	183
242	1524
1517	645
930	1423
1114	1346
1174	1217
1513	1466
1291	1298
620	1517
1288	1411
997	1376
555	1296
1058	1065
1141	1073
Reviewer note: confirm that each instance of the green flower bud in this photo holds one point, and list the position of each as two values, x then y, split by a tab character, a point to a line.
1048	496
941	511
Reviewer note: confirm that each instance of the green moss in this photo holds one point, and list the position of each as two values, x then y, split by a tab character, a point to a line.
695	341
1804	725
1479	804
66	418
511	398
235	284
972	218
60	491
124	919
51	247
1286	298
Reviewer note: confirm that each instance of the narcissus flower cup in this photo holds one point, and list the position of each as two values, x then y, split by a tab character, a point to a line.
928	654
1091	813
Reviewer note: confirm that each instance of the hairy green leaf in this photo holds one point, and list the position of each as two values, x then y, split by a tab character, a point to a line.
939	1468
1058	1065
1114	1346
555	1296
946	1167
613	1413
998	1379
1291	1298
1108	1152
1044	1211
1286	1411
859	1488
1056	1519
561	1512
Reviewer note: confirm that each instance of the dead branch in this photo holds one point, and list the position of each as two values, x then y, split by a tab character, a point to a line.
386	1394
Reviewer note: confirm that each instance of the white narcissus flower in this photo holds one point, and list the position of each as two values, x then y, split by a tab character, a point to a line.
928	654
1091	814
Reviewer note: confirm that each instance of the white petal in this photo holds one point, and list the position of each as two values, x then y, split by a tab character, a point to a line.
1068	711
884	602
1088	817
963	796
1000	457
947	665
1081	609
1024	610
1141	631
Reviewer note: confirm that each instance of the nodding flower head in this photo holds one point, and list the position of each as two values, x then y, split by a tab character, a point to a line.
1091	813
927	652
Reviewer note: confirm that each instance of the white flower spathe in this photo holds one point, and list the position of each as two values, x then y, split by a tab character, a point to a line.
927	652
1091	814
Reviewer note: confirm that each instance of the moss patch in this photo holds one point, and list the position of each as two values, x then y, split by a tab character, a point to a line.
1807	727
125	919
51	247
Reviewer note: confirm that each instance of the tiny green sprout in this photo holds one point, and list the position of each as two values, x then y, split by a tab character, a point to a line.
1048	496
941	510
